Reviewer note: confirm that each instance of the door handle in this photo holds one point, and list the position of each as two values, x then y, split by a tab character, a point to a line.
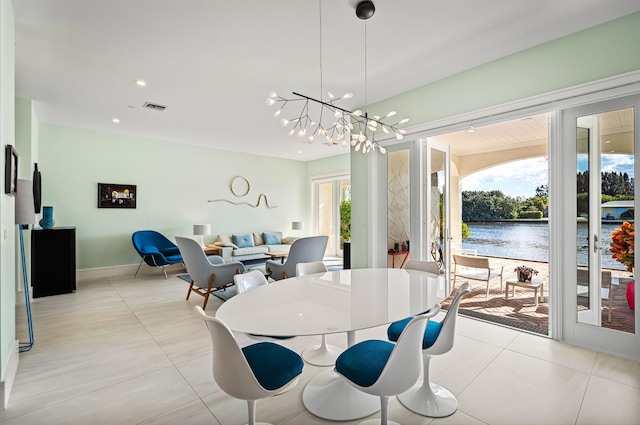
595	243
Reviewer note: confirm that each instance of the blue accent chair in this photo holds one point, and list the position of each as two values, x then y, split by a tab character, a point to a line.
385	369
256	371
427	398
155	249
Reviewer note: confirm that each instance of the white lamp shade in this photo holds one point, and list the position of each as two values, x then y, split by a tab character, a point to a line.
297	225
201	229
25	211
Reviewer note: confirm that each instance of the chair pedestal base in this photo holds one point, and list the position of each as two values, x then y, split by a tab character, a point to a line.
322	354
428	399
329	396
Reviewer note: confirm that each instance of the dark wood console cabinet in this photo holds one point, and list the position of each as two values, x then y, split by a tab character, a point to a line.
53	261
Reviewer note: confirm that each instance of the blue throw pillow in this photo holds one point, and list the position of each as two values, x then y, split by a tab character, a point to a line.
243	241
271	238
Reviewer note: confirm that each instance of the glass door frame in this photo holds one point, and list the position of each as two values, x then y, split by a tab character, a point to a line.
569	328
428	146
335	181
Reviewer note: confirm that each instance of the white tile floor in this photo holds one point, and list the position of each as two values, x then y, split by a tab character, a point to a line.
126	351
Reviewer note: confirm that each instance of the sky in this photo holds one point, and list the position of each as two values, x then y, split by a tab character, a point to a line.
520	178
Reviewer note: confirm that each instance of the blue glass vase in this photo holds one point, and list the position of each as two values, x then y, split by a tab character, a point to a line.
47	217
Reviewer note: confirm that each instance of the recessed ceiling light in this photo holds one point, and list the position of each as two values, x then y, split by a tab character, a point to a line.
141	83
300	152
116	120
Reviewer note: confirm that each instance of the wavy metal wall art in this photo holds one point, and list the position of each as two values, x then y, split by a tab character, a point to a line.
236	186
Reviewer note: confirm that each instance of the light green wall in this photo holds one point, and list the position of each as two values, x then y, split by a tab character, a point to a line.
8	244
602	51
333	165
174	183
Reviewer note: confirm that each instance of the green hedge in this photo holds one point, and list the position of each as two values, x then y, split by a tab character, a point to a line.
530	214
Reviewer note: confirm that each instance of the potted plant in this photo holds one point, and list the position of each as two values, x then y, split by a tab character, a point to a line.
622	245
524	273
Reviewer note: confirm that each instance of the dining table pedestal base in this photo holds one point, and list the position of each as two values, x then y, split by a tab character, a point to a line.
329	396
322	354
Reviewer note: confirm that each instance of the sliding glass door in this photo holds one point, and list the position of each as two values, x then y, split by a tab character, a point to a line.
600	141
331	202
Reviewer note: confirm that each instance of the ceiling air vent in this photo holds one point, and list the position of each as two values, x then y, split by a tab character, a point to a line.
154	106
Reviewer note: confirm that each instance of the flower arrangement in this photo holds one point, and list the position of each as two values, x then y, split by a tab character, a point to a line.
622	245
525	273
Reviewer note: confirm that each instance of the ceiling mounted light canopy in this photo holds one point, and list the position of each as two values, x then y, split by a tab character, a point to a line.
365	9
308	122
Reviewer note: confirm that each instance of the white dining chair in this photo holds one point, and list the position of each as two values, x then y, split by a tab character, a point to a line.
385	369
322	354
247	281
253	372
427	398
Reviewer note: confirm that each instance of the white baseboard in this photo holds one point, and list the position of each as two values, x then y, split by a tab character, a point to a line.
129	271
6	384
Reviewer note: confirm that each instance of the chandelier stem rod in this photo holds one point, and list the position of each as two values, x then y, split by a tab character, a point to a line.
329	105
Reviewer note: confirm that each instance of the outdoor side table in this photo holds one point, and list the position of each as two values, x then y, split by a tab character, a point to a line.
529	285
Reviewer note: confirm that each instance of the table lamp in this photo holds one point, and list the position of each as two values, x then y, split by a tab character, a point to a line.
201	230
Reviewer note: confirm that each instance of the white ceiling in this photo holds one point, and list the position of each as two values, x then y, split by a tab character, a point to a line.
214	62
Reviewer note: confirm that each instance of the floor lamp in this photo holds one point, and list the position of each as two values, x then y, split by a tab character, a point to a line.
24	216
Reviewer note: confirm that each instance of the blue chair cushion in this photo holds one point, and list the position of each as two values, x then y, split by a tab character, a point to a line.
172	259
242	241
430	334
271	239
363	363
150	249
273	365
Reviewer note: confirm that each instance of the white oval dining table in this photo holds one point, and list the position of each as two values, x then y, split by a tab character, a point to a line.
333	302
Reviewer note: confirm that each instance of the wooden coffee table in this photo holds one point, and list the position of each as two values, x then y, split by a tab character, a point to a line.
529	285
278	254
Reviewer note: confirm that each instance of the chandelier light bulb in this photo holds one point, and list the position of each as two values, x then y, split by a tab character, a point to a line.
360	126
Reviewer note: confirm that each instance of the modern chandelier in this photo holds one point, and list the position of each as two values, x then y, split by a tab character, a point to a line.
357	125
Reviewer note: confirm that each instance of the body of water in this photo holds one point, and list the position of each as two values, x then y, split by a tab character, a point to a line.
530	241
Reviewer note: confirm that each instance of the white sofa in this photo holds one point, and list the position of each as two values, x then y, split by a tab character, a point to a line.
251	246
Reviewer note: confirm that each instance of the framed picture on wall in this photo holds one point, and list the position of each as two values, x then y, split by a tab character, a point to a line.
10	170
113	195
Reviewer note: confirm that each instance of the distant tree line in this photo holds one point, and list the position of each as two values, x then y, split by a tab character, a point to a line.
614	187
613	184
494	205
